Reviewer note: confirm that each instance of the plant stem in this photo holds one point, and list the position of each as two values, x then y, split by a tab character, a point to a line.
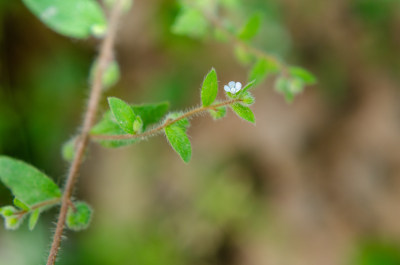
36	206
105	55
159	128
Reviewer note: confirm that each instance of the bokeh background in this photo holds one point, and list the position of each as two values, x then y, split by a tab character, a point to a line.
316	182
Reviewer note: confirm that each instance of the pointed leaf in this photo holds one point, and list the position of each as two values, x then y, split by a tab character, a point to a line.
179	141
305	76
123	113
72	18
33	219
251	28
26	182
21	204
243	112
261	70
79	217
209	89
247	87
190	22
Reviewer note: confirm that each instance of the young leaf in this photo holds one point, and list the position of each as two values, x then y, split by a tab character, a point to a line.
251	28
209	89
247	87
26	182
261	69
247	98
110	76
12	222
68	149
243	112
123	113
33	219
72	18
7	211
190	22
218	113
78	218
302	74
177	137
21	204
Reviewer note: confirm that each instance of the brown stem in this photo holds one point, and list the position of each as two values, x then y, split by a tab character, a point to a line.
105	55
159	128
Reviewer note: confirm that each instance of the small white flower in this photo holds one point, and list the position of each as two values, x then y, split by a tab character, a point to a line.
233	87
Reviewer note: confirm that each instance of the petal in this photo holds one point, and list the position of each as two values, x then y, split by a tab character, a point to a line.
238	86
231	84
227	89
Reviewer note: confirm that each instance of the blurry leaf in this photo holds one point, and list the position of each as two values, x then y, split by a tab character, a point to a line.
111	74
7	211
376	252
33	219
21	205
12	222
177	137
251	28
68	149
190	22
261	70
220	35
209	89
243	112
219	113
243	56
289	87
79	218
123	113
305	76
149	113
26	182
73	18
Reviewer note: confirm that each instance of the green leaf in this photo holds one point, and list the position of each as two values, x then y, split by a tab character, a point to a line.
177	137
21	205
68	149
247	87
7	211
12	222
190	22
243	112
302	74
243	56
26	182
219	113
72	18
149	114
247	98
111	74
123	113
261	70
289	87
251	28
33	219
209	89
79	217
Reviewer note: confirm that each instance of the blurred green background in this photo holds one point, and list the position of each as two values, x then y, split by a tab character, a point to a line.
314	182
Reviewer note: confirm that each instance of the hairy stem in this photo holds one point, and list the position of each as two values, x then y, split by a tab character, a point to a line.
21	213
105	55
159	128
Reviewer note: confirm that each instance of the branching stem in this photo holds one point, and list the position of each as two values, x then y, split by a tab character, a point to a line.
105	56
160	128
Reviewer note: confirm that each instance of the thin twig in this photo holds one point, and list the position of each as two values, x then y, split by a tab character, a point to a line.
159	128
21	213
105	55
